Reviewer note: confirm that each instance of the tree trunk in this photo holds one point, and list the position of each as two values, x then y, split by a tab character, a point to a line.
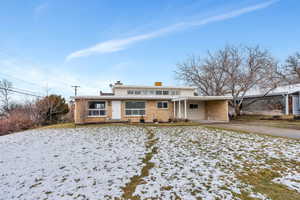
237	111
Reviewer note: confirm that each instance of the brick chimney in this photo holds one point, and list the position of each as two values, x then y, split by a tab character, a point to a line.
158	84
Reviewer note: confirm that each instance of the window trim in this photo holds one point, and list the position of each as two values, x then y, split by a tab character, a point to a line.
134	109
162	103
105	109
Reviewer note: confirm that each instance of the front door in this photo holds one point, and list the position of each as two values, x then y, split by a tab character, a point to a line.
116	109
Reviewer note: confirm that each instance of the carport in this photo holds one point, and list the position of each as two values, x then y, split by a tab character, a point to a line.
201	108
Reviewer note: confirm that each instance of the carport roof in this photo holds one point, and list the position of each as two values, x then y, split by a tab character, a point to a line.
202	98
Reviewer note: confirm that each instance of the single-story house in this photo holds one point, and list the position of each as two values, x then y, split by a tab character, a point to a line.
284	100
149	104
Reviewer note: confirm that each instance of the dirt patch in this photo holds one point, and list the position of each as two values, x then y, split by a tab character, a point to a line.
262	183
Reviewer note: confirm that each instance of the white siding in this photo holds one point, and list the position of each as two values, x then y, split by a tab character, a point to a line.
123	91
296	105
192	114
196	114
120	91
186	92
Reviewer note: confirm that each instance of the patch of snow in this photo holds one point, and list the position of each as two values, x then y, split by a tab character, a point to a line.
96	163
83	163
199	163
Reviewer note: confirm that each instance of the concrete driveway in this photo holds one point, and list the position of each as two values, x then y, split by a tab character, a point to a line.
258	128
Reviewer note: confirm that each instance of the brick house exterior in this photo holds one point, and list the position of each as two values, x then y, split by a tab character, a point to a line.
129	103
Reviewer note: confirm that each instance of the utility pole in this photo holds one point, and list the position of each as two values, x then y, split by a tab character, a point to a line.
75	89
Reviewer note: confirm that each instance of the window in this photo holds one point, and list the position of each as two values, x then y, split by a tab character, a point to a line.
145	92
135	108
175	92
152	92
193	106
130	92
162	104
97	108
165	92
138	92
158	92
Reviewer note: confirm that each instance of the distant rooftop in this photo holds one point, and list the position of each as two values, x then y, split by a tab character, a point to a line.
281	90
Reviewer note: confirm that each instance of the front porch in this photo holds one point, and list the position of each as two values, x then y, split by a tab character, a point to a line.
201	109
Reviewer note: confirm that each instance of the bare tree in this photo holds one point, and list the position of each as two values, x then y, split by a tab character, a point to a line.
206	75
5	92
231	71
291	72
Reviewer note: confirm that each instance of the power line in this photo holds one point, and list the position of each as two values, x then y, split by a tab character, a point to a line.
25	90
13	77
19	92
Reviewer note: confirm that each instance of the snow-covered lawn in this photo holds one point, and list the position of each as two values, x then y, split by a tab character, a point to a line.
147	163
83	163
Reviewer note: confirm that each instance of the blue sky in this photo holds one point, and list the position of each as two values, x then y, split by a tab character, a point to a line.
58	43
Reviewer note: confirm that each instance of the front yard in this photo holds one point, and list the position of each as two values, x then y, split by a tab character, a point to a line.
135	162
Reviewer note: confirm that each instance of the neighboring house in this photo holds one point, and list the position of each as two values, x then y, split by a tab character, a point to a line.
149	104
283	100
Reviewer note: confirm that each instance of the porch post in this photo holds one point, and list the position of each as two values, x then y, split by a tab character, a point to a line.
179	109
174	104
185	112
287	104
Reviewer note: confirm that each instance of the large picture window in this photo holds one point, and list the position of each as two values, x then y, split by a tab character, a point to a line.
97	108
135	108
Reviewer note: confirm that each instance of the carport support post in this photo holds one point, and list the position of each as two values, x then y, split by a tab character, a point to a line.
185	113
174	109
287	104
179	109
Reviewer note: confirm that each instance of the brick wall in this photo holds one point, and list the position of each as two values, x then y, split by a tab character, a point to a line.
81	112
152	112
216	110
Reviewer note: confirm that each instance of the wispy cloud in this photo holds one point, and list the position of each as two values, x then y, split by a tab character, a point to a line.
121	44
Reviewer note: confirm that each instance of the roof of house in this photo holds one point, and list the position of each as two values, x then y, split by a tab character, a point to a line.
154	87
120	97
106	93
282	90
